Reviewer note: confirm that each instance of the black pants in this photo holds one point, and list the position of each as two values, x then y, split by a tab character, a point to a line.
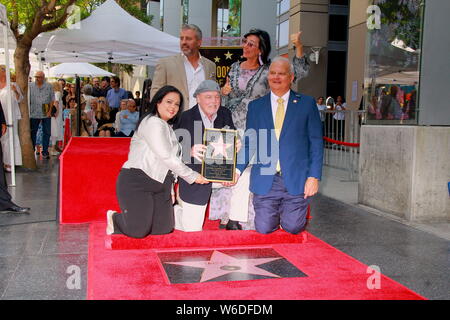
123	135
5	197
146	204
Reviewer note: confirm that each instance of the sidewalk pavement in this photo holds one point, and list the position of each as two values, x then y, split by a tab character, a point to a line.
336	184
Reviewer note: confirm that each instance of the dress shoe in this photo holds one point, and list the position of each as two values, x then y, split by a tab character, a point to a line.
15	209
222	226
233	225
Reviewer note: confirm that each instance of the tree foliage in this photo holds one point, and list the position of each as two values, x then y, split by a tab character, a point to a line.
29	18
133	7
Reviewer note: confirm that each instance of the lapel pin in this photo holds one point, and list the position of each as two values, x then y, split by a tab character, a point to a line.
295	101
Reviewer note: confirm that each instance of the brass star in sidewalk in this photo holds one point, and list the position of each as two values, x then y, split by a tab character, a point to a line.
221	264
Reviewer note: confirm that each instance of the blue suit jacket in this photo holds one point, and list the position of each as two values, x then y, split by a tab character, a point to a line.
300	148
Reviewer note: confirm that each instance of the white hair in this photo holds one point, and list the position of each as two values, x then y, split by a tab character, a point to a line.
286	60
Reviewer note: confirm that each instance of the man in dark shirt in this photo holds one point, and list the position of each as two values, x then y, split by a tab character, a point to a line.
100	89
6	205
97	90
62	82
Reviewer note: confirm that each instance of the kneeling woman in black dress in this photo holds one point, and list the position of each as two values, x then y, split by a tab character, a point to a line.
145	181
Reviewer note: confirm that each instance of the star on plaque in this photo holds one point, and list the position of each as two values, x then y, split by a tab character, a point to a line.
228	55
216	59
220	147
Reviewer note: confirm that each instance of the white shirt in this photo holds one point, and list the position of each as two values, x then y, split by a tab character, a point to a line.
209	124
193	77
340	113
155	150
321	107
274	98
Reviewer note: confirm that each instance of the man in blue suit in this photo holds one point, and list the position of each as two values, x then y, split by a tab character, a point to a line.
284	138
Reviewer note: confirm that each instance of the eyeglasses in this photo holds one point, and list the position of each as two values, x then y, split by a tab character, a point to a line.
249	43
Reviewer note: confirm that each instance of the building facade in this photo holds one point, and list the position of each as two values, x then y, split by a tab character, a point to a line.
216	18
400	52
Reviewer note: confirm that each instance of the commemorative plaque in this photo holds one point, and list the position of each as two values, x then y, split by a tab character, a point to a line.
219	161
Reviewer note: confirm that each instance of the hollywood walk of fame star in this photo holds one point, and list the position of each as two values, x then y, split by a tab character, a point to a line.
220	147
216	59
221	264
228	55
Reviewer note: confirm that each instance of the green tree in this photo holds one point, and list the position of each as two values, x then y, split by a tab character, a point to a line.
28	19
133	7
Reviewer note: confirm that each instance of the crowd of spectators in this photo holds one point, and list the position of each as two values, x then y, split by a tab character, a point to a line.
107	110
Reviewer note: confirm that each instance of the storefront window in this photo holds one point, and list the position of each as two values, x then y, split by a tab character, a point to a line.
393	61
161	15
185	6
283	6
229	18
283	36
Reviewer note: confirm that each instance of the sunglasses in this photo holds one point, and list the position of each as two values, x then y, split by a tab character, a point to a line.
249	43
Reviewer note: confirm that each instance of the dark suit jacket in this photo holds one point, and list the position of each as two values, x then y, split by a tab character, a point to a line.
198	193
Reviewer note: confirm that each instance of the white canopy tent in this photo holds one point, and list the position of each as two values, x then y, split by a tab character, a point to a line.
108	34
81	69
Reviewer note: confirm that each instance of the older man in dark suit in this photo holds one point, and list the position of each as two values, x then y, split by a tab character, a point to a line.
207	113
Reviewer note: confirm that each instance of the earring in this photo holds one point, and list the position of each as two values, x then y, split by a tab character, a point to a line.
260	60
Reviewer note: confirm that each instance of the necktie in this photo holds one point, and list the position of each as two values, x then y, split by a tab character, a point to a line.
279	118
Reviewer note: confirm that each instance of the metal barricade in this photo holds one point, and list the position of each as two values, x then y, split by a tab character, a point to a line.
342	128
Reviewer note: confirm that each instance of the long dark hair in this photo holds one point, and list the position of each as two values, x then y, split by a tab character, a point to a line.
157	98
264	43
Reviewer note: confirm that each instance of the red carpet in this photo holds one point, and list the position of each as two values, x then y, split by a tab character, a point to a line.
88	171
139	274
124	268
210	233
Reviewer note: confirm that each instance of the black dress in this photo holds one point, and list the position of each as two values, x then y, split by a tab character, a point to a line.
101	122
